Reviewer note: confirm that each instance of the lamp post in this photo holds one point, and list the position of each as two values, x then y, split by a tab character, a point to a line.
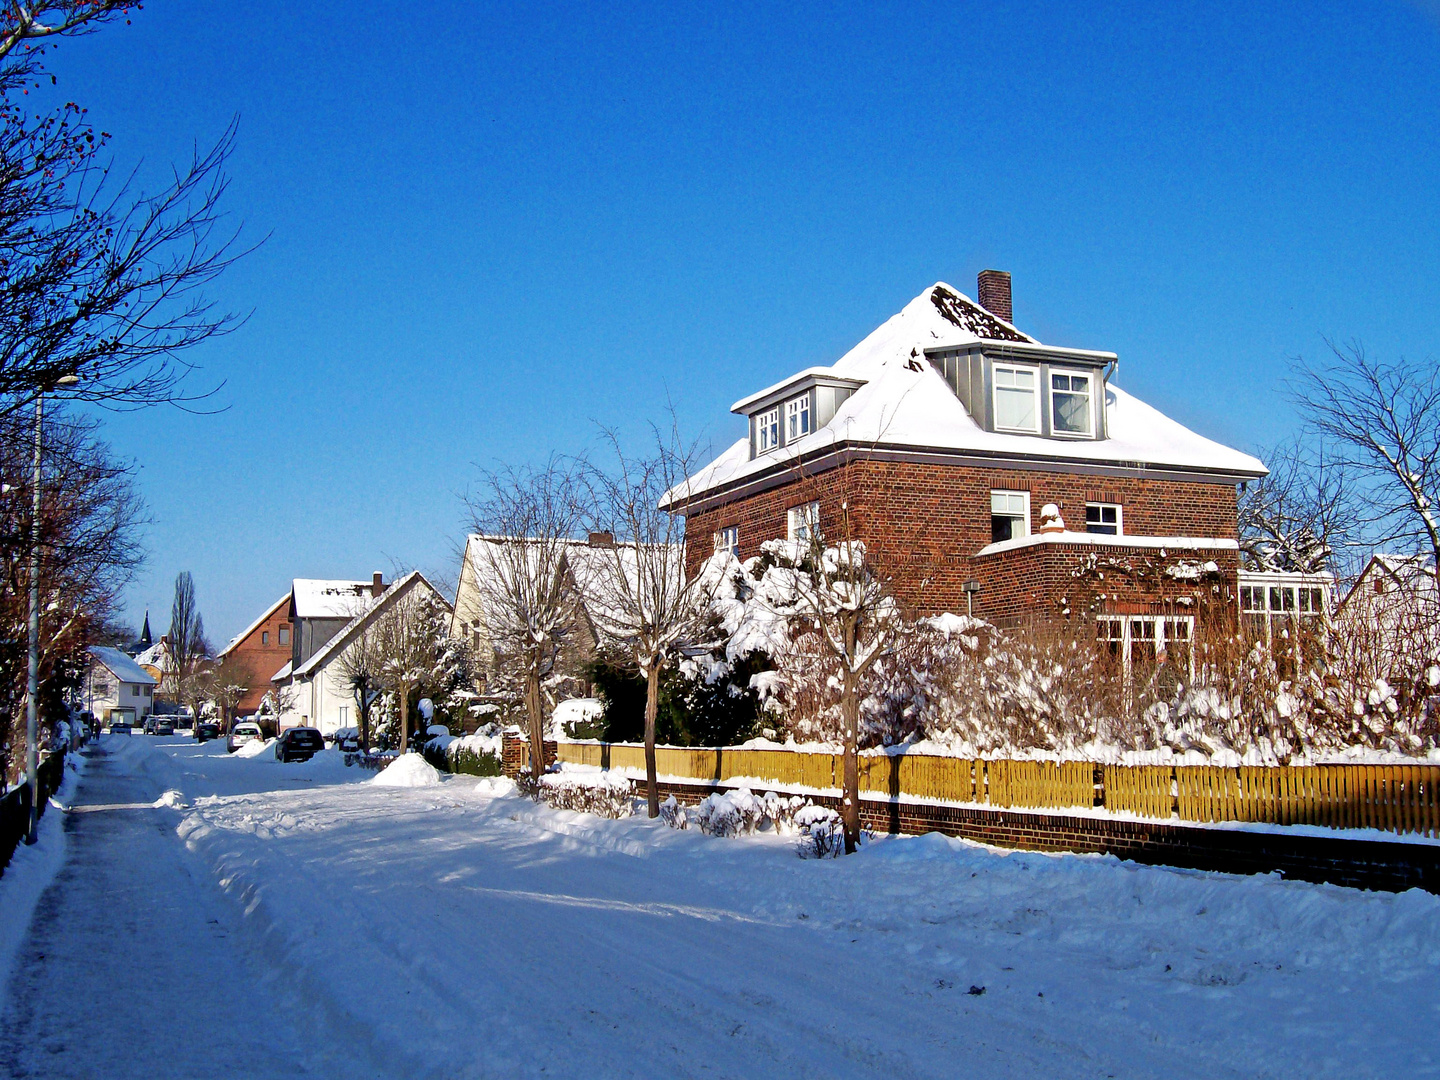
32	681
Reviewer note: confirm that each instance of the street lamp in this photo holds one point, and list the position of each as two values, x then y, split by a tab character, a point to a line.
32	681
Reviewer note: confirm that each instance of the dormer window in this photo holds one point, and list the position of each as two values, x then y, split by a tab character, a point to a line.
767	430
1070	412
1017	398
797	418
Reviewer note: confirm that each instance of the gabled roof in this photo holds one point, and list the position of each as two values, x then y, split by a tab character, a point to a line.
319	598
906	406
375	607
121	666
268	614
158	655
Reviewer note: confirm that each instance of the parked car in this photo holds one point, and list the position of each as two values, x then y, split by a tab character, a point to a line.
299	744
206	730
164	726
149	726
241	733
119	727
346	740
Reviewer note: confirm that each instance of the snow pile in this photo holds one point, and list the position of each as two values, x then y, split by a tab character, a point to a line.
254	748
171	798
407	771
588	791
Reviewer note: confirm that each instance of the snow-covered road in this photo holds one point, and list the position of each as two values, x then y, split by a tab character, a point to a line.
450	931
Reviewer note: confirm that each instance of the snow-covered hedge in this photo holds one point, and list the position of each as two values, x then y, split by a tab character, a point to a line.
743	813
469	755
589	791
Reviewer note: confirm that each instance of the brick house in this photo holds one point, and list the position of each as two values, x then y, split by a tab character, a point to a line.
987	472
261	649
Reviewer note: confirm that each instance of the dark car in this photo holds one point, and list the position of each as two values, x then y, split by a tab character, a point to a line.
149	726
299	744
206	730
119	727
164	726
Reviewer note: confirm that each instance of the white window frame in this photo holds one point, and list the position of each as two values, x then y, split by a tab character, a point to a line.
1119	517
767	430
995	388
803	521
1025	498
1089	432
797	418
1160	638
727	538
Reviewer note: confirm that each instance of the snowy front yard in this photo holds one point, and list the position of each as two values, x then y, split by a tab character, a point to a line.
459	930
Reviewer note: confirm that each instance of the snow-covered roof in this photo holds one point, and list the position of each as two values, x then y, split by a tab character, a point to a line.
158	656
121	666
373	607
904	404
268	613
318	598
282	674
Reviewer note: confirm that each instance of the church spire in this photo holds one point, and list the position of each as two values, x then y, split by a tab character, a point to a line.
145	640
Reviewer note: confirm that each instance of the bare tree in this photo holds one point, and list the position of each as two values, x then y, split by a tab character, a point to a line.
361	666
98	277
1302	516
636	590
824	578
188	648
1382	421
229	681
417	654
530	517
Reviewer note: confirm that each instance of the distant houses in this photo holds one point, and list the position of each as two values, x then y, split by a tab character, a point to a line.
117	688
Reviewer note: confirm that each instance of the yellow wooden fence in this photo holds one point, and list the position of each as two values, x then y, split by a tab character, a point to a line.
1392	798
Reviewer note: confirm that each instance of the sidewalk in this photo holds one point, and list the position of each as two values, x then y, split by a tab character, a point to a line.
131	968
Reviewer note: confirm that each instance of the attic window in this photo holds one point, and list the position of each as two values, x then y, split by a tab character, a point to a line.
284	635
797	418
1017	398
1069	403
767	434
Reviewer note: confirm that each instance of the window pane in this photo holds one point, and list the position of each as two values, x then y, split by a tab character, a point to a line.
1102	519
1015	399
1070	404
1275	602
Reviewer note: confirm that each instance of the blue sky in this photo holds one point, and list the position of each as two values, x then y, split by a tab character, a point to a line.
491	227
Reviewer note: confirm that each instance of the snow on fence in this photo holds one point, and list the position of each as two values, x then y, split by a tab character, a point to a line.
1390	798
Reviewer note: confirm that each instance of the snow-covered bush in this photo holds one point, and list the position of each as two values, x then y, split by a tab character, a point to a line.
741	813
601	792
469	755
822	836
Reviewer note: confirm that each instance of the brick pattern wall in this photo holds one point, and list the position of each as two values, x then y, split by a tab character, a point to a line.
1361	864
928	521
262	659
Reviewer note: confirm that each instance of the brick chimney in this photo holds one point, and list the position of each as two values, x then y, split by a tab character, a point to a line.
995	293
377	584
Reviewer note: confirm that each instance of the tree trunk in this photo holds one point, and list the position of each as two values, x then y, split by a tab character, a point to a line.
850	800
404	720
652	706
534	709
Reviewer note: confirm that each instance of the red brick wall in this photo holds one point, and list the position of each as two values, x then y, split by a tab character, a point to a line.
263	660
927	522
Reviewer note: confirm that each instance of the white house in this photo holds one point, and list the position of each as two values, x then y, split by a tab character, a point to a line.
314	692
117	687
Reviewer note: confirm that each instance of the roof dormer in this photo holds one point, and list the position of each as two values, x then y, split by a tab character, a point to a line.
788	411
1023	388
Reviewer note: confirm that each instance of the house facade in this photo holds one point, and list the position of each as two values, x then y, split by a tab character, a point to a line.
989	473
117	688
260	650
315	691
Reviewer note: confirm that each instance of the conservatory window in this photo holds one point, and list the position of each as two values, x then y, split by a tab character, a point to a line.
1009	515
803	522
767	434
797	418
1102	518
728	539
1069	403
1017	406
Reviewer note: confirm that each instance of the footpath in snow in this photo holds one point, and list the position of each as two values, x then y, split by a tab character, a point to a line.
457	930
